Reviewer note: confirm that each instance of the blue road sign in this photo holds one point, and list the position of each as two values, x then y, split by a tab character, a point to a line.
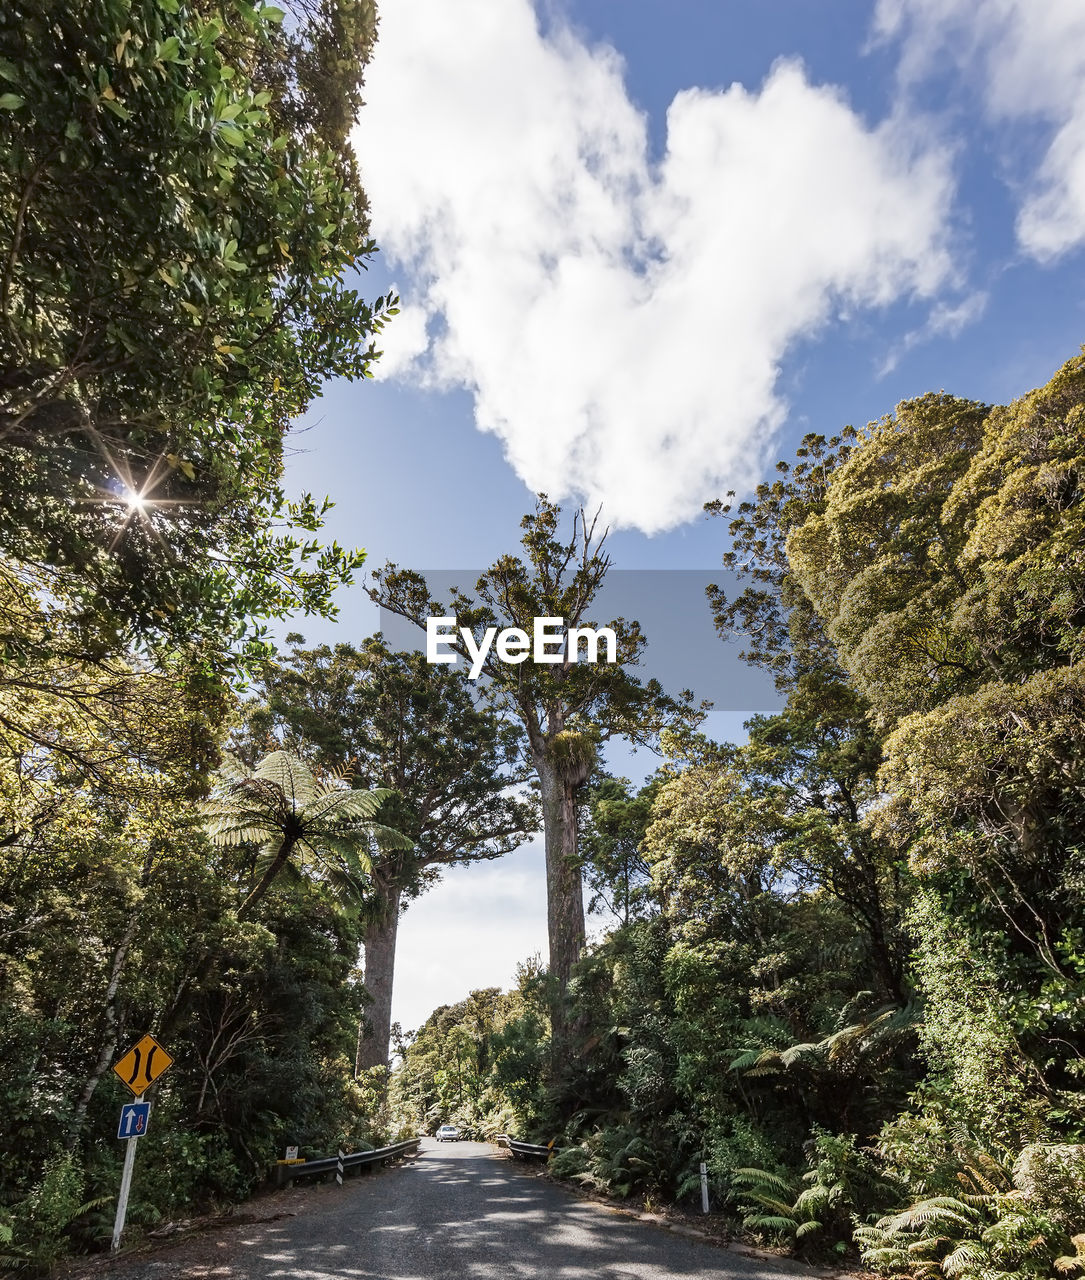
134	1120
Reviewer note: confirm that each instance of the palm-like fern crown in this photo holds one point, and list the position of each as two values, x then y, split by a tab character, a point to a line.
281	797
284	807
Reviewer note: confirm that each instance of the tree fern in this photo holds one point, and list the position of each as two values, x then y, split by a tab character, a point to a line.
988	1236
324	828
765	1201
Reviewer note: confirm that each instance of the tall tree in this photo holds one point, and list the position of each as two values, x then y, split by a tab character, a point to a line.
396	722
814	766
567	708
947	566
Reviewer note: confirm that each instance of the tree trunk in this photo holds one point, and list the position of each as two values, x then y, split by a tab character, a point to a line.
564	889
285	849
109	1037
885	962
380	961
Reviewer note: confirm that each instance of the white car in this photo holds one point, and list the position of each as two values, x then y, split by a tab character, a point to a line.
448	1133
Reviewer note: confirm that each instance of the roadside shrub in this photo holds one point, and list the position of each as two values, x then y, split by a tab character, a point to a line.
36	1232
841	1184
619	1161
1003	1219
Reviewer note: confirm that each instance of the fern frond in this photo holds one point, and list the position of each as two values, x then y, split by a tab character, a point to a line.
291	775
346	888
771	1202
1067	1265
248	832
768	1222
760	1177
936	1209
347	851
816	1198
981	1179
747	1059
389	839
794	1054
340	805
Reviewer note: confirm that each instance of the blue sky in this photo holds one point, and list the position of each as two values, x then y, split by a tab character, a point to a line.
643	248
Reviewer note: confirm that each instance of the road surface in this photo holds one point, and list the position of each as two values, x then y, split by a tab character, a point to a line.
456	1212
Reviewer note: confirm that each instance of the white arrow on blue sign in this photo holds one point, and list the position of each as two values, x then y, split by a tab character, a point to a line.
135	1117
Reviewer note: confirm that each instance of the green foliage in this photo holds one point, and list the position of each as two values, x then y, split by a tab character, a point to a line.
968	1034
282	806
182	226
974	1210
393	721
765	1202
613	825
181	229
445	1075
36	1232
521	1046
840	1179
850	1074
1051	1177
112	903
618	1160
860	1000
945	562
976	1236
482	1064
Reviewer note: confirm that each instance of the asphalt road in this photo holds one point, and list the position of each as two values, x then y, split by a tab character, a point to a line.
456	1212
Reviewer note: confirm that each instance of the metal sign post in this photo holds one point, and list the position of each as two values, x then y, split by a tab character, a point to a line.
138	1070
126	1186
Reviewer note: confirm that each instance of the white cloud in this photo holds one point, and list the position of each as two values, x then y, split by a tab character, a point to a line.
404	339
621	324
947	319
1027	60
470	931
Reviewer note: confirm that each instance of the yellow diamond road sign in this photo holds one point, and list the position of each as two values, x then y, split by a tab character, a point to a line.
143	1064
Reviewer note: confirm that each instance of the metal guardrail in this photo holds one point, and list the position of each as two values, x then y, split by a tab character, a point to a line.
288	1172
525	1150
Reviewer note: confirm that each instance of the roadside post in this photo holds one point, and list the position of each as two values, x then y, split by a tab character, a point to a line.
704	1187
339	1168
137	1070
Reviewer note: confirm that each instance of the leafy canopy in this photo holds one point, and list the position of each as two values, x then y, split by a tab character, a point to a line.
182	226
395	721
